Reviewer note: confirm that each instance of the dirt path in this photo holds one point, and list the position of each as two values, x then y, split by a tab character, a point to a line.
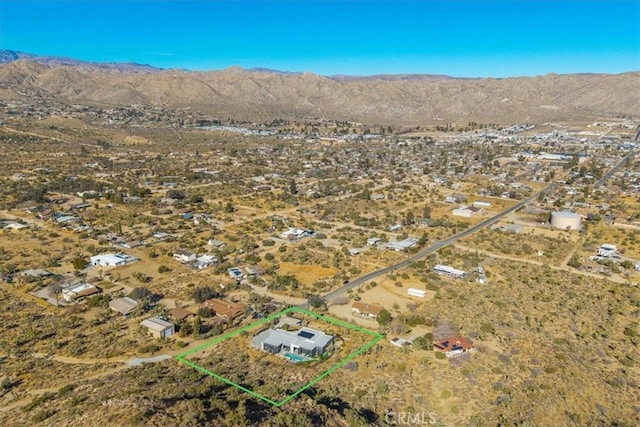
563	267
30	394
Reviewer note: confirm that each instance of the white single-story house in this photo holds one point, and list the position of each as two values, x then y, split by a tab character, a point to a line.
205	261
466	211
112	260
413	292
235	273
372	241
402	244
79	291
216	243
481	204
449	271
607	250
184	256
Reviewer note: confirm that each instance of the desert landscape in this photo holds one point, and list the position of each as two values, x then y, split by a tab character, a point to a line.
154	223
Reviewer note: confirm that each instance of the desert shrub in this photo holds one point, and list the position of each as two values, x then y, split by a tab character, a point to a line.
203	293
42	415
440	355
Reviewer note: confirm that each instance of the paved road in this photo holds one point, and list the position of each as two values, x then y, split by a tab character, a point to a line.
137	361
431	249
613	170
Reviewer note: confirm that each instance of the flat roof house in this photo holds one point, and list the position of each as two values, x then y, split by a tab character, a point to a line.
158	327
184	256
79	291
124	306
449	271
306	341
112	260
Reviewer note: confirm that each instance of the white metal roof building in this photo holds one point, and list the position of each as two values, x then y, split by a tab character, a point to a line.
450	271
112	260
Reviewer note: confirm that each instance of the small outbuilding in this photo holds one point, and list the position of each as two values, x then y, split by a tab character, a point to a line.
124	306
158	328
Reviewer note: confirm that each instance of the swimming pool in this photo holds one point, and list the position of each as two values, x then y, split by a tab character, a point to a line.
295	357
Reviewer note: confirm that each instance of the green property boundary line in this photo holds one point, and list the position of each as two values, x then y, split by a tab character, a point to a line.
376	338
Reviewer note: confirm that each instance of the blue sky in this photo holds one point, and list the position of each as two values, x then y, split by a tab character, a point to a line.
466	38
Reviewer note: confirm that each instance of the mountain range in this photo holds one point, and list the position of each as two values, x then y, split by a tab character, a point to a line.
262	94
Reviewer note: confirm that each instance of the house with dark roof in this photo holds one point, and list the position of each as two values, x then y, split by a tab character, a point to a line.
179	313
226	309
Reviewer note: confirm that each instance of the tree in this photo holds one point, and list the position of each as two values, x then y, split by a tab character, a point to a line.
426	212
197	325
175	194
55	291
143	294
79	263
409	218
203	293
293	187
316	301
384	317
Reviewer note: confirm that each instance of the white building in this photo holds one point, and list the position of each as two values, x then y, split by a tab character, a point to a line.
481	204
466	211
449	271
413	292
373	241
112	260
79	291
184	256
607	250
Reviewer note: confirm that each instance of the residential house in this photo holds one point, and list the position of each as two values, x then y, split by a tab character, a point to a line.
158	328
225	309
79	291
179	314
413	292
216	243
235	273
607	250
449	271
373	241
454	346
124	306
306	341
367	310
184	256
112	260
466	211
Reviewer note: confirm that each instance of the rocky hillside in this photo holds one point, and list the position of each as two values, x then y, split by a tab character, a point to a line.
260	94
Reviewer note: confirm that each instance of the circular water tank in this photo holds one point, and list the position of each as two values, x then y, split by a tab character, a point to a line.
566	219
